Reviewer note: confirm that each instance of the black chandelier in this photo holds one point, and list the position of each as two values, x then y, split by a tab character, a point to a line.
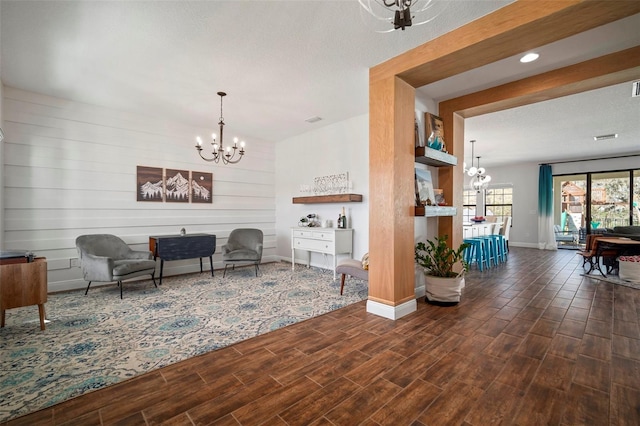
402	12
218	151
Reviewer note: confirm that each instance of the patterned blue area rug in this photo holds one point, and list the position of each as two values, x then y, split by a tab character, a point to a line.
97	340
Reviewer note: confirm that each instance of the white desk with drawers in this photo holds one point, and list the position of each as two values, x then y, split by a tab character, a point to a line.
331	241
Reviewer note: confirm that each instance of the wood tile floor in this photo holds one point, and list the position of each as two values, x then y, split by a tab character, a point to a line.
532	343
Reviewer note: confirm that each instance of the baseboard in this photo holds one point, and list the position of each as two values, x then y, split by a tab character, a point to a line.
392	312
525	245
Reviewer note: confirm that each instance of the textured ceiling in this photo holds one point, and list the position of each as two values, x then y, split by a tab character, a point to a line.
280	62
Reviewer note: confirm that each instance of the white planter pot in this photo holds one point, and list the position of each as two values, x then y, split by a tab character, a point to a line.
447	290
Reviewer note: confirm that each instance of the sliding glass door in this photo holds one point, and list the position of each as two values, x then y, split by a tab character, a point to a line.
610	196
571	200
590	202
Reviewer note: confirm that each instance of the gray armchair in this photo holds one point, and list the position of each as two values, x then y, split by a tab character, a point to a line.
106	258
244	245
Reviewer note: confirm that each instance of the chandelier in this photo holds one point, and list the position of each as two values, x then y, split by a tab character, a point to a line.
479	178
403	15
218	150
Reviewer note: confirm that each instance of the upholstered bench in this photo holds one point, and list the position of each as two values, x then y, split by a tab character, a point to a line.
351	267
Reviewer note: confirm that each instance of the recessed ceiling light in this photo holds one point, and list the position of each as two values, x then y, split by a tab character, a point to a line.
529	57
313	119
603	137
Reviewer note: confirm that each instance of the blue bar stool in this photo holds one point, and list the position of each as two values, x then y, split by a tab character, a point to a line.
501	244
489	248
475	253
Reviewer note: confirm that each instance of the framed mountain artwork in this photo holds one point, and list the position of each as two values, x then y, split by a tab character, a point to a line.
176	186
201	187
149	183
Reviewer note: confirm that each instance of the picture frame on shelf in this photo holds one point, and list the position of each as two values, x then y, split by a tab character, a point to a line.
434	132
425	195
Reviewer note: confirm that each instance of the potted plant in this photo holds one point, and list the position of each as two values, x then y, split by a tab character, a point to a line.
443	283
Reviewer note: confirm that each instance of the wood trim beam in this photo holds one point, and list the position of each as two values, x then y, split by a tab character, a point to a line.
513	29
594	74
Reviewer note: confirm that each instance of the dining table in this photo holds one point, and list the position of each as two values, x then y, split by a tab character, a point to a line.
622	246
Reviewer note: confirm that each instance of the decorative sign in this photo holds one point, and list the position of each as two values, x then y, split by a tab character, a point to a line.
201	187
332	184
149	184
174	186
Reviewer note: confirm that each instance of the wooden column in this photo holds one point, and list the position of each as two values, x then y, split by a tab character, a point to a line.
391	197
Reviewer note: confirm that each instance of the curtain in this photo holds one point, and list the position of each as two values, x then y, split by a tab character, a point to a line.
546	236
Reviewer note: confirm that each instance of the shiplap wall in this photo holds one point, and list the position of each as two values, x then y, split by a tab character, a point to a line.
1	169
70	169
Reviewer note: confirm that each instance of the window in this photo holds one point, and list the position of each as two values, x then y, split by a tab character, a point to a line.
499	202
469	202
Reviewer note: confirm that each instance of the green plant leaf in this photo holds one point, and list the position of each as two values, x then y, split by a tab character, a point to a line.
438	259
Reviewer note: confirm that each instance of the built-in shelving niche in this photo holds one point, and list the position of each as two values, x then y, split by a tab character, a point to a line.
432	157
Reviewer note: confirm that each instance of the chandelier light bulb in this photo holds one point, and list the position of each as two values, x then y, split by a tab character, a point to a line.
242	144
487	179
481	171
472	171
213	136
198	141
215	146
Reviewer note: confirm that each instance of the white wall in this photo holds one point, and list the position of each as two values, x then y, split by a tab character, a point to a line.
337	148
70	169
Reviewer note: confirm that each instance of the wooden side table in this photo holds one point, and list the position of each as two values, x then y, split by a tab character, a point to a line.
23	284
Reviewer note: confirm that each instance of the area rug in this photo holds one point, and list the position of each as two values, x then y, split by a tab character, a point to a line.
613	279
98	340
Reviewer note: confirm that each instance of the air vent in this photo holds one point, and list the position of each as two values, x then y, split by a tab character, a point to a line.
604	137
313	119
636	89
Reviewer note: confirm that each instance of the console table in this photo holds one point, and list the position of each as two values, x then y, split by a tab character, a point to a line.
178	247
331	241
23	283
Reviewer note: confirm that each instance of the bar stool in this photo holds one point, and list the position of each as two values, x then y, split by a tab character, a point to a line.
489	250
498	242
475	252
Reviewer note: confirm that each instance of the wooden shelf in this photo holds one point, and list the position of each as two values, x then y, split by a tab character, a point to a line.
335	198
431	157
433	211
